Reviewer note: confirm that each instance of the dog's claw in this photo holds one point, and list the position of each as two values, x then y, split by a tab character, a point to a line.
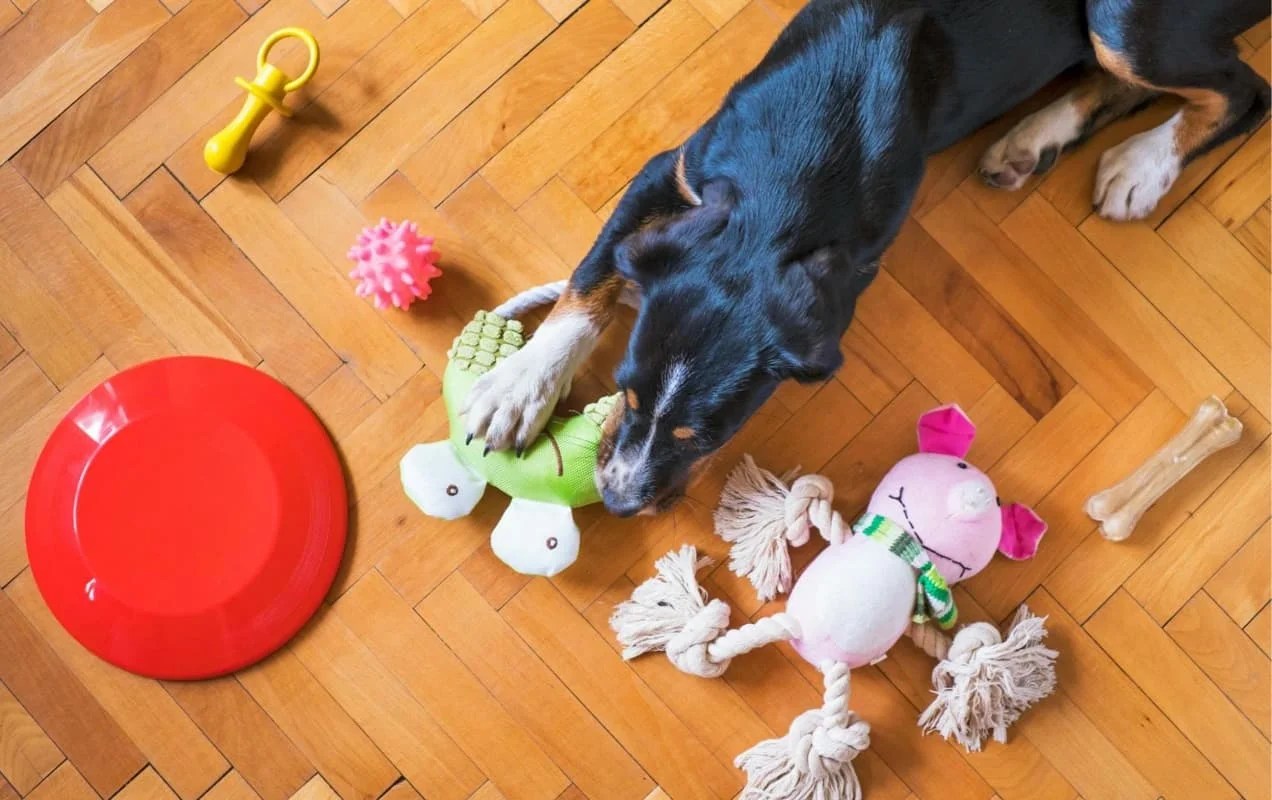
468	440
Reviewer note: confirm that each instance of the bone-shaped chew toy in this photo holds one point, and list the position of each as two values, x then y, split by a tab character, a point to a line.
1120	507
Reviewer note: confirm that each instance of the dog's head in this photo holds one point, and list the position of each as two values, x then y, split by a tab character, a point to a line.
725	317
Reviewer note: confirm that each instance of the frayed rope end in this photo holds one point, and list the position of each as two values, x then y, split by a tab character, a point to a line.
752	517
987	681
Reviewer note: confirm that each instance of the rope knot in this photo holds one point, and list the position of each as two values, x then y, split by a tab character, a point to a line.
972	638
688	649
809	504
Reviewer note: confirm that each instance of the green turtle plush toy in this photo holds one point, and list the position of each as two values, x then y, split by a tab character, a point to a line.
555	474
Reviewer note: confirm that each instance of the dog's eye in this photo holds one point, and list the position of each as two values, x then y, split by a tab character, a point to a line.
962	465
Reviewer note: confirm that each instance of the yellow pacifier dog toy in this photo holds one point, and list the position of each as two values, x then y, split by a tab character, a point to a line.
226	151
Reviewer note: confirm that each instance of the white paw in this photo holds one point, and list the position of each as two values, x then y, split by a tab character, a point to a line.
1137	173
1032	146
512	403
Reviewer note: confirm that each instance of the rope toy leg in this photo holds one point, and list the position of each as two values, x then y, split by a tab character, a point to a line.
813	761
986	681
671	612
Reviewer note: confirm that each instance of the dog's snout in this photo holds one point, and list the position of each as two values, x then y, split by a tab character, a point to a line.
619	504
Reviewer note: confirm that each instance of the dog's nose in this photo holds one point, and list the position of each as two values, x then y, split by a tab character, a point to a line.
621	505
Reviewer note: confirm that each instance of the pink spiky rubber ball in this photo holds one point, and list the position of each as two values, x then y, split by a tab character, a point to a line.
393	264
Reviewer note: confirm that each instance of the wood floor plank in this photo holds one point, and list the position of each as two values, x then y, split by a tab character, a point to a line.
1230	270
405	732
319	727
1199	547
1037	303
70	715
1244	585
1238	352
73	278
1227	656
532	694
104	110
136	261
24	389
596	101
1114	703
1203	714
231	787
44	27
240	292
952	297
27	755
64	784
1113	304
425	108
916	338
1237	189
43	327
179	751
625	705
1256	232
313	286
676	107
1260	629
248	738
405	645
515	100
73	68
147	785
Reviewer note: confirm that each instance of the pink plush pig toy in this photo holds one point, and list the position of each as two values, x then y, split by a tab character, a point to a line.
933	521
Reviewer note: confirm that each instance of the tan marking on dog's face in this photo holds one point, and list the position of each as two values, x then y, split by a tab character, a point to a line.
682	182
684	432
633	402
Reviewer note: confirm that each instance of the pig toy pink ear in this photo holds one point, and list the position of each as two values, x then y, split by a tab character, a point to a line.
946	430
1022	529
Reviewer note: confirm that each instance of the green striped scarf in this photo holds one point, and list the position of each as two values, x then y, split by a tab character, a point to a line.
932	600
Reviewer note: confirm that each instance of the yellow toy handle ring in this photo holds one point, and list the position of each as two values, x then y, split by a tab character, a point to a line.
291	33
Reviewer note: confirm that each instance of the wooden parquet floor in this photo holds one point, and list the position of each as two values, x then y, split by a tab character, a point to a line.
508	128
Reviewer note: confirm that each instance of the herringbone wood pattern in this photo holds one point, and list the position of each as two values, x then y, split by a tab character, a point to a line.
508	128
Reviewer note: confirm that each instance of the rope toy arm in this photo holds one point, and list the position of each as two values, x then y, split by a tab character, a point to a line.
671	612
761	516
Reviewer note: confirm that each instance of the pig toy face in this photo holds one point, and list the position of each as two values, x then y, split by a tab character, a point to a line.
950	505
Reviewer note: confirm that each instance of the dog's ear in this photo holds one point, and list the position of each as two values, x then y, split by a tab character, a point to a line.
808	310
663	240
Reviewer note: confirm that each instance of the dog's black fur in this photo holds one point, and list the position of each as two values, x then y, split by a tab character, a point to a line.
751	260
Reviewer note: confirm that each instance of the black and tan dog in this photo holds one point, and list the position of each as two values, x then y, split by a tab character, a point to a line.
752	242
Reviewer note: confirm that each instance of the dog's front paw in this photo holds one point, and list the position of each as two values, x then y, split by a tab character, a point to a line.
511	404
1136	174
1031	147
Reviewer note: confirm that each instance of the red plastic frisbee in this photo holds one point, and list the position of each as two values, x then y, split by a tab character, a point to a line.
186	517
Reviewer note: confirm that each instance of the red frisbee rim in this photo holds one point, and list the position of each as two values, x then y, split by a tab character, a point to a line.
186	517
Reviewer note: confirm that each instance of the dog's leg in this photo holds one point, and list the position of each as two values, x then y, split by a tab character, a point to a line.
1034	144
1223	98
510	405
